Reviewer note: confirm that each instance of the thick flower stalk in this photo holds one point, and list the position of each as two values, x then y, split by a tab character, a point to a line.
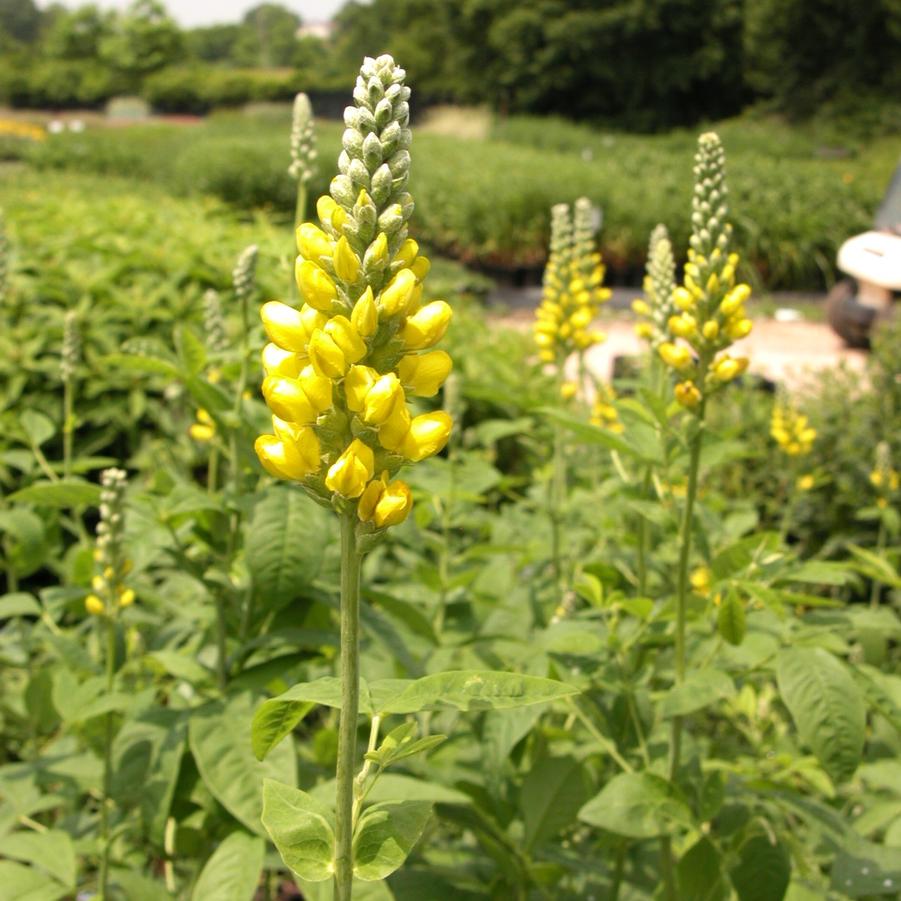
109	595
341	370
68	365
214	321
303	153
655	310
711	304
791	429
573	290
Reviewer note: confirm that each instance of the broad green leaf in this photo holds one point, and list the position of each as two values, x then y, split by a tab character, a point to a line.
147	755
19	604
385	836
132	363
700	873
136	886
286	541
637	805
25	539
591	434
401	743
37	426
277	717
302	830
552	793
219	736
826	706
396	787
863	869
466	690
190	349
700	689
730	620
875	566
763	870
232	872
818	572
22	883
210	397
51	851
62	494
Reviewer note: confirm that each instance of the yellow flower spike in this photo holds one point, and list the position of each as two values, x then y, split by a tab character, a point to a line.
683	300
675	355
317	288
280	458
340	329
285	363
407	253
425	373
420	267
395	429
349	474
710	330
393	505
347	263
284	326
326	356
357	382
397	294
687	394
126	597
739	329
382	399
427	435
94	605
365	315
313	242
426	326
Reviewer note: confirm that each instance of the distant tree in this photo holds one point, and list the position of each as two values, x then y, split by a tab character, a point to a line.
268	37
76	34
20	20
214	43
142	40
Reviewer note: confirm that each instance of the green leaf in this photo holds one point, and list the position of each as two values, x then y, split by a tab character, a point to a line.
301	829
210	397
401	743
466	690
863	869
818	572
385	836
38	427
147	754
591	434
731	620
763	870
19	604
637	805
552	793
25	884
219	736
190	350
875	566
61	494
25	539
700	689
232	872
700	873
51	851
286	542
132	363
827	707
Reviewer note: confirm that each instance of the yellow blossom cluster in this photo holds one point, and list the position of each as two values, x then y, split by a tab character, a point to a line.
203	429
791	429
603	413
573	289
711	304
884	478
12	128
339	371
659	286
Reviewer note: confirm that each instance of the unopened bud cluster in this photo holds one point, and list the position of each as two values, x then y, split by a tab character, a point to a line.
109	592
791	429
244	273
883	477
573	289
303	141
339	370
214	321
71	348
710	303
655	310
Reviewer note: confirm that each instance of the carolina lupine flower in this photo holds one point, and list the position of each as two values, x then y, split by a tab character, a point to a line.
111	566
303	141
214	321
712	313
245	272
603	412
71	347
339	371
791	429
659	286
573	289
203	429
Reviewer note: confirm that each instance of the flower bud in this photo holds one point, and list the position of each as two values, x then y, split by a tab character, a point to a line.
298	400
687	394
382	399
421	267
326	357
281	362
126	597
424	373
427	326
735	298
427	435
357	382
347	263
302	438
738	329
316	287
341	331
407	253
394	430
710	329
393	505
349	474
312	242
280	458
284	326
365	315
674	355
396	295
94	605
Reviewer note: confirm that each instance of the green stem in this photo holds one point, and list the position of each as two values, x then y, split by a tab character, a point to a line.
221	647
618	872
876	588
557	492
107	759
68	426
212	470
644	537
351	561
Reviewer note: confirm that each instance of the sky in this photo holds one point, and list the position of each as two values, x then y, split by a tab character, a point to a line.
206	12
